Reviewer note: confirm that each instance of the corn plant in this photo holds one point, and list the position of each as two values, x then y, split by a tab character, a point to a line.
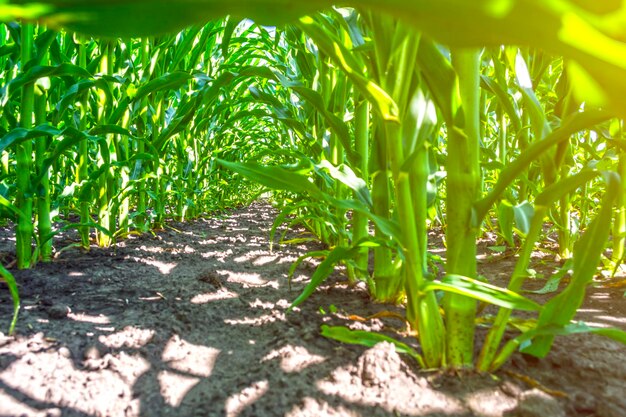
359	109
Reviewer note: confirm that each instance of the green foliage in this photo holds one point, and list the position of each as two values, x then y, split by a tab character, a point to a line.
369	339
375	116
10	281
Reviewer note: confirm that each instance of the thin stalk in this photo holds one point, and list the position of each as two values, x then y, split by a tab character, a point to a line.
82	169
619	225
44	221
494	337
105	217
142	196
123	152
422	309
565	227
24	155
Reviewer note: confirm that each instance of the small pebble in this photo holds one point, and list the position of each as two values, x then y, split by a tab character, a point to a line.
65	352
91	353
58	311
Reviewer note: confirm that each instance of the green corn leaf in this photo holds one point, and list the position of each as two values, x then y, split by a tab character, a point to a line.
575	123
553	282
539	121
369	339
71	137
20	134
184	115
265	97
101	130
505	221
482	291
561	309
523	214
389	227
575	328
381	101
504	99
73	94
171	81
282	217
347	177
276	178
10	281
185	47
549	331
334	122
301	258
231	25
210	94
441	80
37	72
324	270
557	191
11	208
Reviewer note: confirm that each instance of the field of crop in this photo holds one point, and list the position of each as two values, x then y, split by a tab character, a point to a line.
263	208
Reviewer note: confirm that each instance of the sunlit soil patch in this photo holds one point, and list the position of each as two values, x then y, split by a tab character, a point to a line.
237	403
87	318
249	279
214	296
190	358
257	321
129	337
311	407
106	387
294	358
489	403
174	387
163	267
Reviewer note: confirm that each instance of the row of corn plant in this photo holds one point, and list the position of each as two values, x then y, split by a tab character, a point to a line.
109	137
461	115
380	95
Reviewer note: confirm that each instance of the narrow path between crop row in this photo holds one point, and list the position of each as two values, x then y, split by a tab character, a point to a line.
194	322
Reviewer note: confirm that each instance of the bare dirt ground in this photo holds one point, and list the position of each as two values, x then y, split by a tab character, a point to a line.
194	322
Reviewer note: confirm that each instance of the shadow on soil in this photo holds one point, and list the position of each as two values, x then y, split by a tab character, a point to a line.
194	322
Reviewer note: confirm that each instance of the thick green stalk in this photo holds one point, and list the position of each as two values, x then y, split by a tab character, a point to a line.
463	189
106	218
360	223
24	155
384	270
